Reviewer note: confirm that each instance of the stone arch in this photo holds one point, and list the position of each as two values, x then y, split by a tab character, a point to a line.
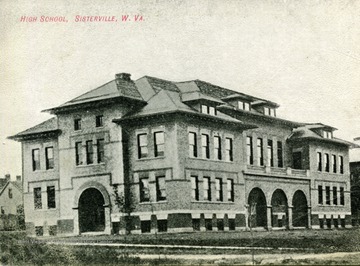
300	209
257	208
279	204
91	184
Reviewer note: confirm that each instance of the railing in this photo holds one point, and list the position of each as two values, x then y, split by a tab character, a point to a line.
277	171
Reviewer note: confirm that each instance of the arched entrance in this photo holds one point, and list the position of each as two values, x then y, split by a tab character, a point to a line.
91	211
279	209
257	208
300	210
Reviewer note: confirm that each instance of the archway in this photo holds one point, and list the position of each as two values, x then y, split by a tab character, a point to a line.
300	209
257	208
91	211
279	209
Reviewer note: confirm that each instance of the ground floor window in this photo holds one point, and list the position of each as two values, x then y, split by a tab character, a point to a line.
162	225
145	226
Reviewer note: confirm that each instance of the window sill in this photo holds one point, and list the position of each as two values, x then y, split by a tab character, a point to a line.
153	202
212	202
44	171
89	165
211	160
150	158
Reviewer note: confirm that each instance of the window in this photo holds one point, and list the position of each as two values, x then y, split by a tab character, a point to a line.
341	164
218	189
100	150
144	190
217	147
78	153
320	195
220	224
207	188
99	121
280	154
77	124
89	152
244	106
196	224
162	225
269	111
210	110
192	144
142	145
334	165
49	157
342	196
260	155
270	153
51	197
160	188
194	188
208	224
327	163
36	159
205	150
249	150
229	149
335	200
37	198
319	161
159	144
327	134
145	226
327	194
10	193
230	190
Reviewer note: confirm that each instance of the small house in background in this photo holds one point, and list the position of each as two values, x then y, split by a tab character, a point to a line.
11	203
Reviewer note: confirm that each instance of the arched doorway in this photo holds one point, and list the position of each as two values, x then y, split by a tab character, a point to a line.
257	208
300	210
279	209
91	211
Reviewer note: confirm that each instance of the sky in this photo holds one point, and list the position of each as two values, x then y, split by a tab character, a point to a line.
304	55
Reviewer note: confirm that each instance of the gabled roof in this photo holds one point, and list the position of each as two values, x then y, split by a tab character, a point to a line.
49	126
16	184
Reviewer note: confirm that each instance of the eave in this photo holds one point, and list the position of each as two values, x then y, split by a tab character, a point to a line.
38	135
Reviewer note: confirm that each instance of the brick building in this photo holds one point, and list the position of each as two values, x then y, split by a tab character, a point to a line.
186	156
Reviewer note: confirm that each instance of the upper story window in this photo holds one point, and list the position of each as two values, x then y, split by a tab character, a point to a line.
144	189
192	144
100	150
10	193
270	153
159	144
335	198
342	196
49	157
269	111
77	124
327	134
260	154
99	121
249	150
160	188
78	153
205	149
229	149
142	143
297	160
327	163
217	147
319	161
320	195
89	152
51	197
244	106
334	164
218	189
37	198
230	190
341	164
36	159
206	109
194	188
327	195
207	188
280	154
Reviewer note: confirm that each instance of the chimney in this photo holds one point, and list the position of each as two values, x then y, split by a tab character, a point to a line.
18	178
7	177
123	76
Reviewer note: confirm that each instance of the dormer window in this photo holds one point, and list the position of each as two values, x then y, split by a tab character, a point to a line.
210	110
327	134
269	111
244	106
